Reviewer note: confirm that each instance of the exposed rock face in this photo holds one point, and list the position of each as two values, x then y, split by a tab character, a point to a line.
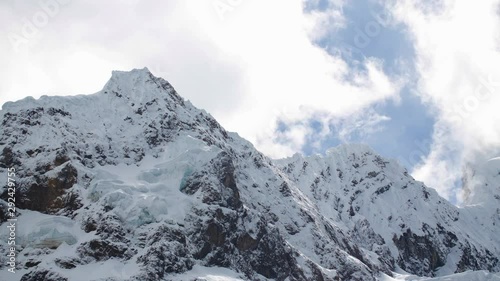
418	253
156	189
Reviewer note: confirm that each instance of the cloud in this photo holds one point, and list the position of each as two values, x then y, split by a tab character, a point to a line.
249	63
458	64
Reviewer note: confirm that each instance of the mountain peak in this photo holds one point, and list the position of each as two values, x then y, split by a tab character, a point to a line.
137	85
134	73
134	84
140	86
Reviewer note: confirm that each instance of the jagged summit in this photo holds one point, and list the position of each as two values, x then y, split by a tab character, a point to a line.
137	86
137	72
134	183
129	81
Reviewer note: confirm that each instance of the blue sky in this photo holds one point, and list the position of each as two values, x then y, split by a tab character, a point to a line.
368	33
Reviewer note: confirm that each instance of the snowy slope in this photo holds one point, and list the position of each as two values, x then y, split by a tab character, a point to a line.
135	183
378	202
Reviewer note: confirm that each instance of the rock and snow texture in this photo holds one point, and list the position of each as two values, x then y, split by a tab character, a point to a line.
135	183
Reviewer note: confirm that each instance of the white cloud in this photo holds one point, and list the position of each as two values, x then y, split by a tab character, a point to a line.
458	59
249	64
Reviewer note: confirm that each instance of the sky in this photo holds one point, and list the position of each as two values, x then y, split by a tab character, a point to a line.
418	81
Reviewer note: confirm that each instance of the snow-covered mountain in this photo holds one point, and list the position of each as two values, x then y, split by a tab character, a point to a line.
135	183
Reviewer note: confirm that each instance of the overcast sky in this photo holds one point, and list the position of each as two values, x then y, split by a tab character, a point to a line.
419	81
